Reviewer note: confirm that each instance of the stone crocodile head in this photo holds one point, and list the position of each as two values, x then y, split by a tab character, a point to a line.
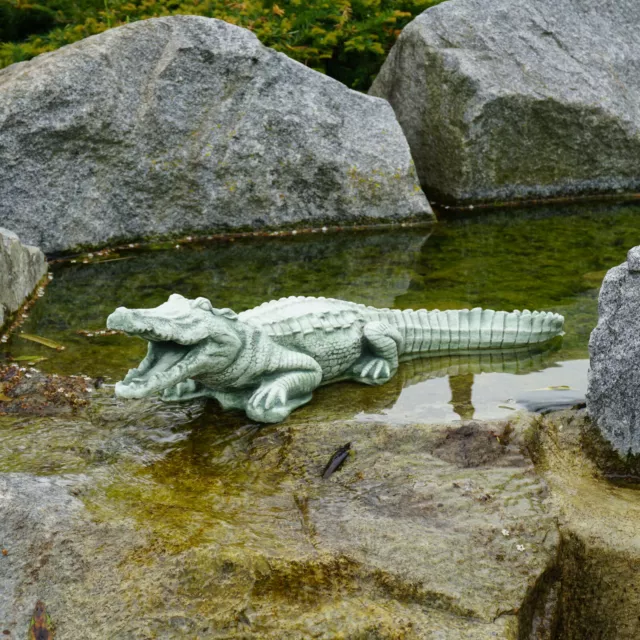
186	337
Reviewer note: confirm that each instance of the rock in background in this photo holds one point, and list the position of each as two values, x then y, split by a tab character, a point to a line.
21	268
613	397
186	124
515	99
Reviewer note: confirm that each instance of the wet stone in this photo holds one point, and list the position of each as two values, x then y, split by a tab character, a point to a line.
614	349
27	391
594	589
197	522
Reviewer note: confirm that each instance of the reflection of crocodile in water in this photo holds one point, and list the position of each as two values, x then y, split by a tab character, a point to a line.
461	370
268	360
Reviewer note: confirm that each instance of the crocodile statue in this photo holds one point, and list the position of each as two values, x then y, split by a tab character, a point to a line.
268	360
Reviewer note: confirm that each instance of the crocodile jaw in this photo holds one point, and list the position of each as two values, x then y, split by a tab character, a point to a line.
170	350
151	325
165	366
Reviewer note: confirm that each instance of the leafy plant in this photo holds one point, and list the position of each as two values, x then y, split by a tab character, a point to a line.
347	39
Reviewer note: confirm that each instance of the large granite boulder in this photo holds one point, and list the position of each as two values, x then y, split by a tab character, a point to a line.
21	268
513	99
185	124
613	396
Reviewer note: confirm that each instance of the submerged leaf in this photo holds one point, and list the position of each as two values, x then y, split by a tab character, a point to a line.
30	359
52	344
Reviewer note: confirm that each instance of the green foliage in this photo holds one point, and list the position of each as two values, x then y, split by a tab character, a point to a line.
347	39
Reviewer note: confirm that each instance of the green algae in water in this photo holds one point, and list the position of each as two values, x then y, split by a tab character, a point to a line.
550	259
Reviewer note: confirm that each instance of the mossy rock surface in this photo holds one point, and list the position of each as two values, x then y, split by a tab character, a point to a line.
596	583
177	521
519	100
143	519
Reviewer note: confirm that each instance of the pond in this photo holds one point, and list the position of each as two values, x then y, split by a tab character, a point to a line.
176	520
551	259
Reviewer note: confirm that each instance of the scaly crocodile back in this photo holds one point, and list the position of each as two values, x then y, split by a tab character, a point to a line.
422	331
300	314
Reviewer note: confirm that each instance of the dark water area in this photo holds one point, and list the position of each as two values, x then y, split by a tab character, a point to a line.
550	259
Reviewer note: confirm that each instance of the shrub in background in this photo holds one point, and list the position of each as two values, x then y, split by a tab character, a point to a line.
346	39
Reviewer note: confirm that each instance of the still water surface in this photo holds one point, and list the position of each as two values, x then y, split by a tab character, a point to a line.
545	259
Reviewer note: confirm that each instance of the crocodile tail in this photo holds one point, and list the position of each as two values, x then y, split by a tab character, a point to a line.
468	330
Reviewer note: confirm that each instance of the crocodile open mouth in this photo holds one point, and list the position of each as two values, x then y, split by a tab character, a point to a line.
166	362
163	367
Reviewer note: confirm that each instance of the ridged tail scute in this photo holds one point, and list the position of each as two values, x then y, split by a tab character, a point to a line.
468	330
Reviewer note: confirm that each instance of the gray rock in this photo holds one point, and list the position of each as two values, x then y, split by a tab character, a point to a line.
36	516
515	99
21	268
182	526
186	124
614	375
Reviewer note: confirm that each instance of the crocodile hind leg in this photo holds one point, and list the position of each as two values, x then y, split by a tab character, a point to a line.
379	361
280	393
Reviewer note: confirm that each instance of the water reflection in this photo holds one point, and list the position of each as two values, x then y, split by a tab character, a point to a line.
487	395
371	268
482	386
461	395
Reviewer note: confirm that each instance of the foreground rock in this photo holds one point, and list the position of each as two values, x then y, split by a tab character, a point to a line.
21	268
614	349
519	100
213	525
593	591
188	124
144	519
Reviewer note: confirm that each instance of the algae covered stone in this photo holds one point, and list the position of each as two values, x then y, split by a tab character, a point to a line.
594	589
614	348
513	99
188	123
175	522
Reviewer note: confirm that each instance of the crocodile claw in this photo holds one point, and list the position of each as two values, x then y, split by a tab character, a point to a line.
376	368
269	396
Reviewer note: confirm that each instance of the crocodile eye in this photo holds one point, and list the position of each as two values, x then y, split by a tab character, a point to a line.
203	304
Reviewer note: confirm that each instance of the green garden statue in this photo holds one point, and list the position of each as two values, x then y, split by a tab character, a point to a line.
268	360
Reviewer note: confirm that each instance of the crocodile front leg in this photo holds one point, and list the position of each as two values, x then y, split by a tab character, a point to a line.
187	390
279	394
380	360
192	389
